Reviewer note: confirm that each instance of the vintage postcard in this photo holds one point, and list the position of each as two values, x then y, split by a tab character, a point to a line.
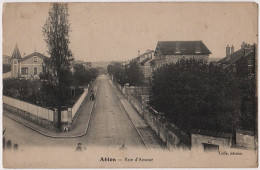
129	85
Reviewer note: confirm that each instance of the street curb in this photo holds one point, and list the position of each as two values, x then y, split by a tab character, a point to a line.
146	146
52	136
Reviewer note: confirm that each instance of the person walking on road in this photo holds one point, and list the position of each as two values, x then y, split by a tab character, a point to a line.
79	147
92	97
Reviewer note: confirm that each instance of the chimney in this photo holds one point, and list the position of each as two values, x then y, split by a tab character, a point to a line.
243	45
232	49
197	47
178	47
138	53
227	51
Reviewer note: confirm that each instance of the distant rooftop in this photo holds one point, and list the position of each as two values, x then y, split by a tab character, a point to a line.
182	48
16	53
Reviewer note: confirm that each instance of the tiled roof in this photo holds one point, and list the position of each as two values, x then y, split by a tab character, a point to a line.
16	53
34	54
235	56
186	48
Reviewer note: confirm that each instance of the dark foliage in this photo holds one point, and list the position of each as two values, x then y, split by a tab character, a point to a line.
82	76
56	33
122	74
195	95
6	68
134	74
118	73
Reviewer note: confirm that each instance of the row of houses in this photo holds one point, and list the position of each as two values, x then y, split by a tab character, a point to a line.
167	52
31	65
241	61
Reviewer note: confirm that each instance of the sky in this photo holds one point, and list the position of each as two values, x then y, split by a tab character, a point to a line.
116	31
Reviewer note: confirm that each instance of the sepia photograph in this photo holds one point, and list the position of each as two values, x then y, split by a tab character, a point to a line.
129	85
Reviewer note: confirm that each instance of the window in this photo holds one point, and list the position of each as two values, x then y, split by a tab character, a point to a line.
35	59
6	60
210	147
35	70
24	70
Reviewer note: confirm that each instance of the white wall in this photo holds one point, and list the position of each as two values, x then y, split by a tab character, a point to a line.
30	108
245	140
68	115
198	140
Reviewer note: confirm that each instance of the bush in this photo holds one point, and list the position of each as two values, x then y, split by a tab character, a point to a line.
194	94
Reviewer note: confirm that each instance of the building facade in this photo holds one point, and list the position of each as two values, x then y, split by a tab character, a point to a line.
28	66
171	51
146	65
205	141
6	59
241	61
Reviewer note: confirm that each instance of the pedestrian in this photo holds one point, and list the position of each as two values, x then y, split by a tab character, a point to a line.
79	147
9	144
3	139
15	147
93	97
123	147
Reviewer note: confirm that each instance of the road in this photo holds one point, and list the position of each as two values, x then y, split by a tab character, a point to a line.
109	125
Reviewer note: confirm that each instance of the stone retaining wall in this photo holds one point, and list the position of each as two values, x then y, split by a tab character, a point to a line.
28	116
169	134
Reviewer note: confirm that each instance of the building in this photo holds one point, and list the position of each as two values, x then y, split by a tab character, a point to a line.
76	63
207	141
6	59
6	64
28	66
146	64
171	51
241	61
143	60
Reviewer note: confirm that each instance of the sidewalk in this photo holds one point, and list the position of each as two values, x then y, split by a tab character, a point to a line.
148	136
80	127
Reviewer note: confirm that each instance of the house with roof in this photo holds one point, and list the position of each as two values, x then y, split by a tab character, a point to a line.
241	61
6	59
146	64
28	66
171	51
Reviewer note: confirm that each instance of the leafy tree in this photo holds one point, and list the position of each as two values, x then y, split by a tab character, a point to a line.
117	72
135	76
193	94
110	69
84	76
56	32
23	89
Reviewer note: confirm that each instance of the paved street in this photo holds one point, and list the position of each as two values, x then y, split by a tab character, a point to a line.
110	125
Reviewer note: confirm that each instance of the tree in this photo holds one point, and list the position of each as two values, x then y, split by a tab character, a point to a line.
56	32
117	72
194	94
134	74
83	76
